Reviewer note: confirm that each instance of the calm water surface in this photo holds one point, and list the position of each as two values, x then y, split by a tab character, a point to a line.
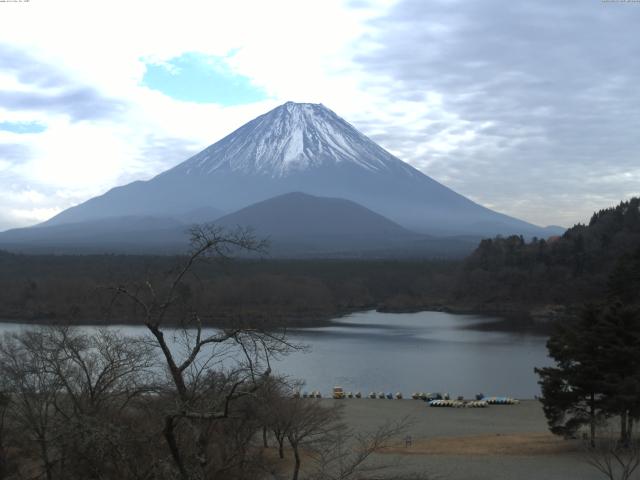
407	352
426	351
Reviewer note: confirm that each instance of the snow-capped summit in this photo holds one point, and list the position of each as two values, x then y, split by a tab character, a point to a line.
289	138
299	147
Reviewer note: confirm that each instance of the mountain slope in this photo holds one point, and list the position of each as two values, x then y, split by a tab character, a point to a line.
301	148
130	234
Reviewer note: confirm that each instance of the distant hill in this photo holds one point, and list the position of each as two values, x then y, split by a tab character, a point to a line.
298	224
295	215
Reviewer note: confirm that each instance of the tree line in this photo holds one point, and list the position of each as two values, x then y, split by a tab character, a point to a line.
74	289
568	270
504	275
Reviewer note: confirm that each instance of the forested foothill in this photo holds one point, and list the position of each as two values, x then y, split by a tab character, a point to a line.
555	276
541	279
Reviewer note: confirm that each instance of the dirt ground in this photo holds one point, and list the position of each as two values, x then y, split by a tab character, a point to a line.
496	444
499	442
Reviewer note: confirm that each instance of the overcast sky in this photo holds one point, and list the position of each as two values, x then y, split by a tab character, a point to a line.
531	108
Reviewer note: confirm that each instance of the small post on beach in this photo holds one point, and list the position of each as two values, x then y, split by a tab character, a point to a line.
408	441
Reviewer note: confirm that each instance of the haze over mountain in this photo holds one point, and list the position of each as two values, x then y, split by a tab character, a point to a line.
126	234
295	224
300	148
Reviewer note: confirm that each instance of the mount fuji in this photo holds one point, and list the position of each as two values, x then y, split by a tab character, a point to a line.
296	147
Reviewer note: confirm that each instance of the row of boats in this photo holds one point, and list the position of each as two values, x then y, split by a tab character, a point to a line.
338	393
479	403
433	399
459	403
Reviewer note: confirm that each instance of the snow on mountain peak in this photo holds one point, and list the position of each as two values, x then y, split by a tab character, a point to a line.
292	137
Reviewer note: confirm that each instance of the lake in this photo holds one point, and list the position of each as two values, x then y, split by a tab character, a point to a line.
426	351
407	352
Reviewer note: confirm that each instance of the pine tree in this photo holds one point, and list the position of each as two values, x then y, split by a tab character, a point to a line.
624	281
597	372
620	333
573	391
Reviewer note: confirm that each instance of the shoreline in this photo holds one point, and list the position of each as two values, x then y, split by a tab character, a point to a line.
506	319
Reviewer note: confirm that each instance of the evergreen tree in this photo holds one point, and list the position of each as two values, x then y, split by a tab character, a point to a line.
597	372
620	333
624	281
573	390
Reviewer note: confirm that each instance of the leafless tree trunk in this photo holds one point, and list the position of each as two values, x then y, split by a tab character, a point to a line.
33	392
296	455
304	422
280	439
4	404
200	398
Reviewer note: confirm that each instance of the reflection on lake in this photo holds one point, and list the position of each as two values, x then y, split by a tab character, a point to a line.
426	351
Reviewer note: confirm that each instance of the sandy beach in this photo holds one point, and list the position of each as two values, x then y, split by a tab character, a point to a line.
494	443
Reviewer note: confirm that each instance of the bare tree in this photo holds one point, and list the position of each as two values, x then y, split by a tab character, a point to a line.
346	454
269	400
209	371
101	375
4	458
334	451
614	459
33	393
70	394
279	422
273	409
99	371
305	422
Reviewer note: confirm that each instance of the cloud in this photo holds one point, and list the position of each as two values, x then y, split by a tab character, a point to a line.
539	105
527	107
80	103
28	70
165	152
24	217
22	204
13	153
45	88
